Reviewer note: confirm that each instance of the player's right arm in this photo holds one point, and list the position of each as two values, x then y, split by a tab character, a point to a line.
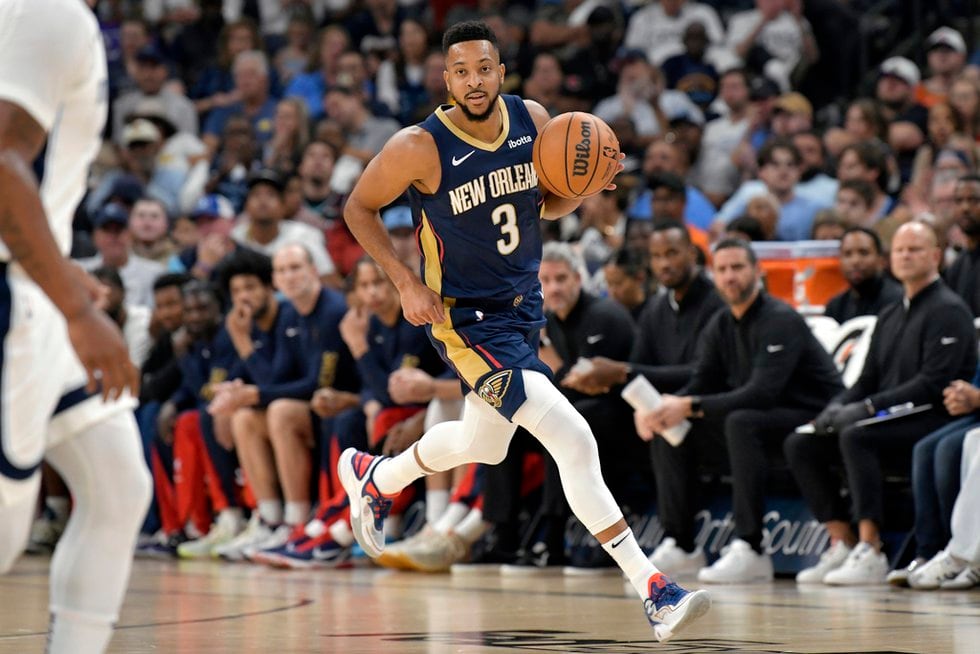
25	231
409	158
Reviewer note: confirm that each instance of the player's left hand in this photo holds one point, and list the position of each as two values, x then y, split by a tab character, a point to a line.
103	353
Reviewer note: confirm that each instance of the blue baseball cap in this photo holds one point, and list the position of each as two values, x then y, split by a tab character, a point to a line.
397	218
212	206
111	214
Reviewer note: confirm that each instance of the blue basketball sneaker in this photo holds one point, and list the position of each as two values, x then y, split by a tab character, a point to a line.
670	608
312	548
368	506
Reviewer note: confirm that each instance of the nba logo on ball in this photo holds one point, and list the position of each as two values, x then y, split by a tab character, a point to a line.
576	155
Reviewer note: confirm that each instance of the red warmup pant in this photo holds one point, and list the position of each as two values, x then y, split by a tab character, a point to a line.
195	493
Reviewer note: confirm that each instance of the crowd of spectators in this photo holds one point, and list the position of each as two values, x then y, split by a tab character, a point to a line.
268	343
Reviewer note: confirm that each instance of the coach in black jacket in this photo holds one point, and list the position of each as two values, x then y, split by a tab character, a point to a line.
664	352
919	346
763	373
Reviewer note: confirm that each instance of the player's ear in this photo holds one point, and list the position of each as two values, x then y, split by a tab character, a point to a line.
445	78
503	72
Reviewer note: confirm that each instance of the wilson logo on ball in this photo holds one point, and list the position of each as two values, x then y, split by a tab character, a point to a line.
583	151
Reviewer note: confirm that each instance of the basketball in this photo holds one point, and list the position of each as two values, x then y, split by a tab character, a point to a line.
575	155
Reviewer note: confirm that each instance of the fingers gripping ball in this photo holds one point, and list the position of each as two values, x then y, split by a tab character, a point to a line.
575	155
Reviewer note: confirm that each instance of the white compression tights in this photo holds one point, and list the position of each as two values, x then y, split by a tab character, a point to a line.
110	486
484	436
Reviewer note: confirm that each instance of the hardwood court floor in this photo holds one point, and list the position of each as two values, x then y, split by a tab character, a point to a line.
215	608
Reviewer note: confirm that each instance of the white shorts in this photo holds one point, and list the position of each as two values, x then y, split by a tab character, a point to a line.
42	383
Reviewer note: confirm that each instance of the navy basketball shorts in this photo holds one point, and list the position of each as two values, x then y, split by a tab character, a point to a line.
488	344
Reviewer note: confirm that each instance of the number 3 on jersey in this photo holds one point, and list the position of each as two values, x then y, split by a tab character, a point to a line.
506	216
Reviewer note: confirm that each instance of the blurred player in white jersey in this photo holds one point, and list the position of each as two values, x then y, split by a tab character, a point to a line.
64	369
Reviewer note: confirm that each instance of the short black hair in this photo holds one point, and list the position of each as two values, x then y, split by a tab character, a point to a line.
244	262
737	244
200	287
870	233
749	226
109	275
671	181
632	261
167	280
471	30
668	225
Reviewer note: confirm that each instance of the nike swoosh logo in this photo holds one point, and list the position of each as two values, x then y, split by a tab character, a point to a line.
595	338
456	161
291	331
620	541
772	349
948	340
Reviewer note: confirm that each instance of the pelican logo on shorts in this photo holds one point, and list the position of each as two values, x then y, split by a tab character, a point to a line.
583	150
494	387
410	361
518	300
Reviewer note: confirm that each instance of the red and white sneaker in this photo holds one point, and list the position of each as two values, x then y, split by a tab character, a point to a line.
368	506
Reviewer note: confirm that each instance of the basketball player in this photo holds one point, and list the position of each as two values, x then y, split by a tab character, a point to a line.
57	348
476	204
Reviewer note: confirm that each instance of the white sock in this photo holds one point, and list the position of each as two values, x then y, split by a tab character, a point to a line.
77	633
270	511
436	502
296	513
341	533
394	474
627	554
471	527
232	516
59	506
450	517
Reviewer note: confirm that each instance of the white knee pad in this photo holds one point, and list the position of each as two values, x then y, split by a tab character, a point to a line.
482	436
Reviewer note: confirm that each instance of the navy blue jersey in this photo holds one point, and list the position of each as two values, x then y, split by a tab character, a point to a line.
310	353
389	348
478	232
258	367
206	362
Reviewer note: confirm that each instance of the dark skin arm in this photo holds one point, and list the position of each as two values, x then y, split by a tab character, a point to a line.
25	230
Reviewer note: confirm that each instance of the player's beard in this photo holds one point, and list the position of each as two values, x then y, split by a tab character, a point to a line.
479	118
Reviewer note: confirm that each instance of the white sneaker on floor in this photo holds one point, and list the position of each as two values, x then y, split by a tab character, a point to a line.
276	539
675	562
967	579
255	532
900	577
739	564
931	575
864	566
224	529
832	558
436	553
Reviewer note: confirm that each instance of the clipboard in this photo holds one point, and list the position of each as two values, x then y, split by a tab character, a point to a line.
902	413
